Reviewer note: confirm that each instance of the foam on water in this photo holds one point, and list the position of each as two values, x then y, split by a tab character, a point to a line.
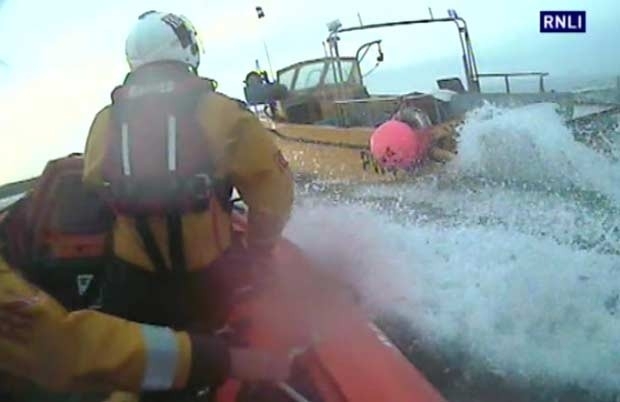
537	180
496	274
532	144
581	220
519	304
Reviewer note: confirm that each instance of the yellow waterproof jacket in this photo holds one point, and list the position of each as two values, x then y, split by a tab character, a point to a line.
243	150
87	350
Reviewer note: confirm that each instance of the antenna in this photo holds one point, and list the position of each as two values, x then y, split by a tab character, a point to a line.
268	58
430	11
359	18
260	13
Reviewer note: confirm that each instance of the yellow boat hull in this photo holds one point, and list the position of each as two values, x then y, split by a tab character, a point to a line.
336	154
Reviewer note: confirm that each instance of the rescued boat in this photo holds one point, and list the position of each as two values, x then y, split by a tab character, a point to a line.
322	114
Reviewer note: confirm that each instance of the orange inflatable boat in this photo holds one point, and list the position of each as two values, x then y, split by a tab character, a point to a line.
342	356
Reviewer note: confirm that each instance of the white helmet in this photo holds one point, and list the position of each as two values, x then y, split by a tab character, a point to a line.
161	36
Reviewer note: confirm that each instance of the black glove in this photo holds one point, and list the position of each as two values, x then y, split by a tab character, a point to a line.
213	361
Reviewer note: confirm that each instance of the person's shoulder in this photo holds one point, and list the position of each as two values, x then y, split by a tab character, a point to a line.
228	101
115	94
100	120
229	111
102	114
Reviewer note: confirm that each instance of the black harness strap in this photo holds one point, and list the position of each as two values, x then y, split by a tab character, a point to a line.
150	246
175	241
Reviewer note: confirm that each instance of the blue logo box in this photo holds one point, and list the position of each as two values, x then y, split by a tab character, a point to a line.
563	21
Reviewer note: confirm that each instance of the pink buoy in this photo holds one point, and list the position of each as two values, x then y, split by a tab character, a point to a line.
395	144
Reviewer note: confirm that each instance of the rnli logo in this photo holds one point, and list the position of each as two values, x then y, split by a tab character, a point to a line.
563	21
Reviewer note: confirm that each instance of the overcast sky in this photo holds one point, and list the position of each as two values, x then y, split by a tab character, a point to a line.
64	56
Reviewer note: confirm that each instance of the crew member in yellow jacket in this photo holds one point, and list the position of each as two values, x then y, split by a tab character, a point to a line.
167	153
90	351
169	142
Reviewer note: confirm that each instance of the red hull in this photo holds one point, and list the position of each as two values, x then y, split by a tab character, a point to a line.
346	357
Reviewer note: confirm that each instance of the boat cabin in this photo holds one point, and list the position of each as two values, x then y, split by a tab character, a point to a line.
319	91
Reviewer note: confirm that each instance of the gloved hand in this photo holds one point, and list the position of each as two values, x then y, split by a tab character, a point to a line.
213	360
249	254
260	257
257	365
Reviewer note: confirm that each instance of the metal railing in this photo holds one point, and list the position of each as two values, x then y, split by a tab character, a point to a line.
541	78
469	62
368	112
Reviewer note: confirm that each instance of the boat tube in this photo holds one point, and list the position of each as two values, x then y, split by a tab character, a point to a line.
341	355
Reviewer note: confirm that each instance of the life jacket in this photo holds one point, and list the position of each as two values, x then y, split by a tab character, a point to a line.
157	157
57	235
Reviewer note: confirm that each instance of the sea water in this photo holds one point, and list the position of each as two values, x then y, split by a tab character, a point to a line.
508	261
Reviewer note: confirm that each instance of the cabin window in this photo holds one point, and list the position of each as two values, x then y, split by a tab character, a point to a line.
286	78
309	76
350	73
